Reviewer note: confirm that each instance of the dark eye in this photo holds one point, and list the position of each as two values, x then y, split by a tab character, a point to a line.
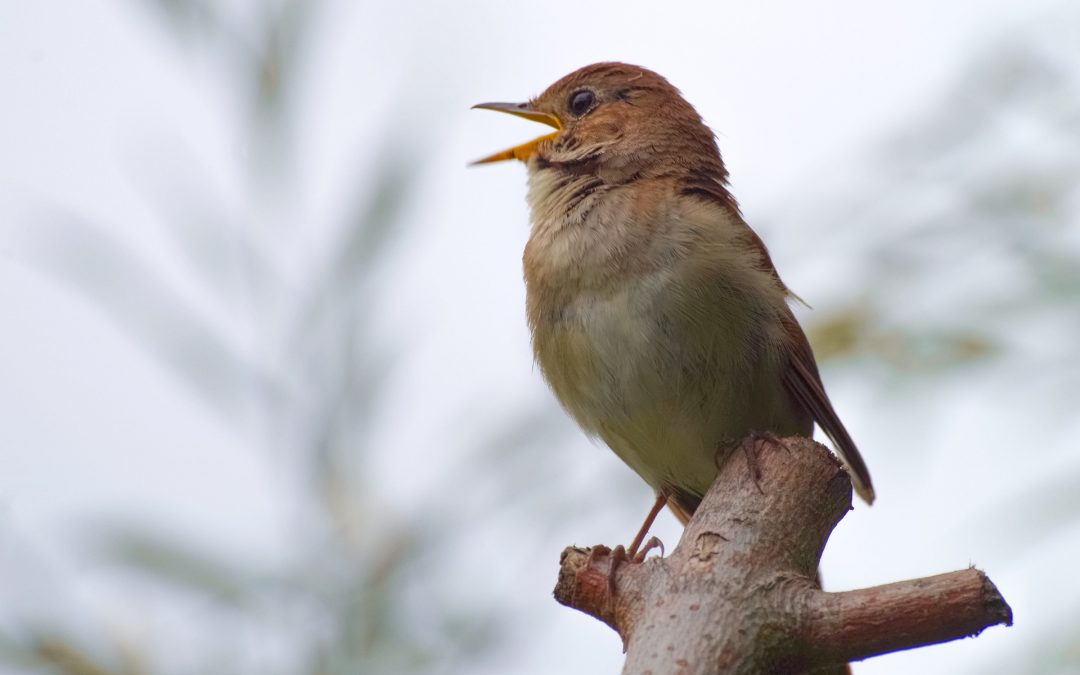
581	102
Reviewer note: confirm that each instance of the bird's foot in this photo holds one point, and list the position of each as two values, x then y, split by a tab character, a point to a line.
752	446
636	554
620	555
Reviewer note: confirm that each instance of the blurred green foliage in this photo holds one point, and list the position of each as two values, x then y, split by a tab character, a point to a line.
318	388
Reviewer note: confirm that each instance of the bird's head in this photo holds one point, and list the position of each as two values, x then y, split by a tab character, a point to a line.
615	120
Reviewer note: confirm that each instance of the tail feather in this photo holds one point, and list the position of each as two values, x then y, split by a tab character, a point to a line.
803	382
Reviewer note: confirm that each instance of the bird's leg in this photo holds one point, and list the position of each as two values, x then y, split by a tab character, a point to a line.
661	502
619	554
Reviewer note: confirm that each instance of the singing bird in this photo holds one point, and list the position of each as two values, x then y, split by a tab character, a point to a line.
657	316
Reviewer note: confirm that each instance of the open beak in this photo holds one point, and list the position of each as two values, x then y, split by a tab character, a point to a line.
526	150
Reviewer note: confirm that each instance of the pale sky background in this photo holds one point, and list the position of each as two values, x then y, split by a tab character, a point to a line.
107	121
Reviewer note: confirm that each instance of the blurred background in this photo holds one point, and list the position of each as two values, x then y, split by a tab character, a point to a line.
268	398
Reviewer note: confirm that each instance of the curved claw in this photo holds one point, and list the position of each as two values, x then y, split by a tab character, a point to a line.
619	556
653	543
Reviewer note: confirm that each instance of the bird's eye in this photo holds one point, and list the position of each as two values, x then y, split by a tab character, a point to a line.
581	102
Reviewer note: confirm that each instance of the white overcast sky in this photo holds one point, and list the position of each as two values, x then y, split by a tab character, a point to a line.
97	106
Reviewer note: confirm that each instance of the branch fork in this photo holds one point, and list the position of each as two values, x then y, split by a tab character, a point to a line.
739	594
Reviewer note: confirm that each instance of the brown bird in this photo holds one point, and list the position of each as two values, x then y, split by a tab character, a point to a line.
657	316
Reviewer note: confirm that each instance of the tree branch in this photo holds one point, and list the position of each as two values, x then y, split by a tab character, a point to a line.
857	624
739	593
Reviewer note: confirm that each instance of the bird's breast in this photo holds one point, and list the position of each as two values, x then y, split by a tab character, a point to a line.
625	366
652	328
600	348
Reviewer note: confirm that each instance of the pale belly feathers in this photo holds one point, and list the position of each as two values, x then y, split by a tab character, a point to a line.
670	380
671	363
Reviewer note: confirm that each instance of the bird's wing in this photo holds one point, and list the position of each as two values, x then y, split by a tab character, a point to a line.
800	378
803	382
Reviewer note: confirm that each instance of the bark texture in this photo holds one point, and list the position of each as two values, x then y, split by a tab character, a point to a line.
739	593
